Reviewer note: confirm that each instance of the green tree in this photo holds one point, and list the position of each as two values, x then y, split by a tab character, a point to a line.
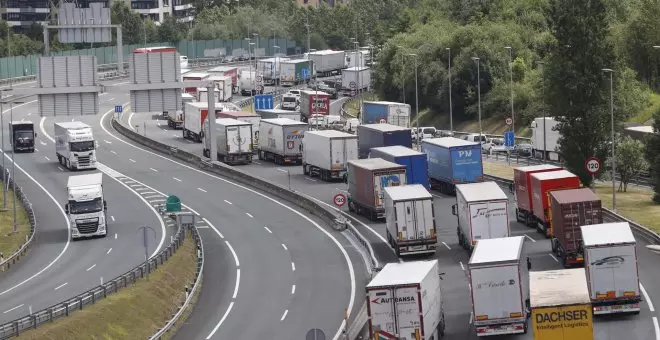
641	34
652	153
630	161
172	30
132	25
577	90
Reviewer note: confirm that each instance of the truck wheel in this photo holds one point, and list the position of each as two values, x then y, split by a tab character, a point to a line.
351	207
518	217
305	170
553	244
260	155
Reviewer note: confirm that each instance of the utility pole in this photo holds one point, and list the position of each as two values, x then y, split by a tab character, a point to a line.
513	117
611	72
451	107
308	32
479	98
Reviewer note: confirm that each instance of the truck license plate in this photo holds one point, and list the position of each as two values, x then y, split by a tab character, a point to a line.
417	247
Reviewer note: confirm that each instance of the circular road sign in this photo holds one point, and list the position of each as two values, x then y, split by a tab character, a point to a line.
353	85
261	88
592	165
509	121
382	121
340	200
260	79
353	92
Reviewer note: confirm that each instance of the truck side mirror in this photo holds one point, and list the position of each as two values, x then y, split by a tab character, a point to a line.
453	209
35	135
511	187
105	205
66	208
529	264
345	179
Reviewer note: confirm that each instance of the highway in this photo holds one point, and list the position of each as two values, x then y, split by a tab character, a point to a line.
452	259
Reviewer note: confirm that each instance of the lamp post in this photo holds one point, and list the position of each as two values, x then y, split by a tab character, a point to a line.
403	81
611	72
479	98
540	62
250	68
513	117
451	108
416	94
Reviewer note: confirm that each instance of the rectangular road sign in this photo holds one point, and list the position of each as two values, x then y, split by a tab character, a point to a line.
118	108
263	102
509	139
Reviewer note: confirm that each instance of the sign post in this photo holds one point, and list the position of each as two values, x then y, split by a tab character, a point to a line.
593	166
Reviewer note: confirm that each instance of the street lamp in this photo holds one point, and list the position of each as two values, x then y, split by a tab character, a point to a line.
479	98
250	68
403	81
416	93
541	62
611	72
451	113
513	119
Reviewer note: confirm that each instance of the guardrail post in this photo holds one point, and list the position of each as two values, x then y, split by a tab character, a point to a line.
34	321
94	297
50	313
80	299
16	327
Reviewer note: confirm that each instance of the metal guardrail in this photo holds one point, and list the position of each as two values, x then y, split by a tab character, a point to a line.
67	307
6	264
608	215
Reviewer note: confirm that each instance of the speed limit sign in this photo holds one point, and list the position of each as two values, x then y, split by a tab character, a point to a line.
340	200
592	165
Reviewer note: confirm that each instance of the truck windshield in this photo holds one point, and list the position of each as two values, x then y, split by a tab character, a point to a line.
23	134
92	206
82	146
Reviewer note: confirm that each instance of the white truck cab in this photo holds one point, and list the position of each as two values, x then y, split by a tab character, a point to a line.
86	206
75	146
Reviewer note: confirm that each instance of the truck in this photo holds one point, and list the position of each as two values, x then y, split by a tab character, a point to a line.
75	146
294	72
196	113
22	136
278	113
282	141
328	62
202	95
248	83
314	103
367	180
228	71
355	79
224	84
378	135
192	76
410	220
385	112
545	143
523	192
482	212
326	153
175	118
610	258
356	59
569	210
541	185
290	102
560	305
404	301
452	161
497	289
248	117
270	69
86	206
234	141
417	167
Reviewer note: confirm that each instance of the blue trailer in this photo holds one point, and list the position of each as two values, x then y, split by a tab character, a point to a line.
378	135
385	112
452	161
417	169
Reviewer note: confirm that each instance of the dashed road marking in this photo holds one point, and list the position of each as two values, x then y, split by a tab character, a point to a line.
109	250
286	311
228	202
249	215
131	160
46	157
113	152
176	179
152	169
446	246
293	289
293	266
92	267
554	258
284	246
13	309
533	240
62	285
268	230
112	218
202	190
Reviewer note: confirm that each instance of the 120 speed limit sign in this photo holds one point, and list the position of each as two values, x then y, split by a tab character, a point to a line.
592	165
340	200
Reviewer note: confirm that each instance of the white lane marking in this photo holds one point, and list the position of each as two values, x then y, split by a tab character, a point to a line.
202	227
268	230
238	280
284	246
92	267
130	118
531	239
152	169
286	311
115	236
131	160
280	169
446	246
113	152
112	217
35	149
46	157
207	222
233	253
347	259
656	327
176	179
293	289
108	252
200	189
111	99
255	162
107	142
471	318
554	258
215	329
29	114
228	202
249	215
293	266
342	190
648	299
59	167
15	308
62	285
462	266
42	143
310	179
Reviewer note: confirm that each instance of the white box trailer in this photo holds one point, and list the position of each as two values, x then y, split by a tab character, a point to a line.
497	286
279	113
270	69
327	152
193	120
281	139
482	210
224	85
355	78
328	62
404	302
248	83
234	141
75	146
410	220
202	95
610	260
551	138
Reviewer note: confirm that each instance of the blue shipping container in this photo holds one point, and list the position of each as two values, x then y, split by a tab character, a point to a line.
372	112
454	161
415	162
378	135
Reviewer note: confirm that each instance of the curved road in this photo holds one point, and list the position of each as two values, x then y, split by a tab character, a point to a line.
452	258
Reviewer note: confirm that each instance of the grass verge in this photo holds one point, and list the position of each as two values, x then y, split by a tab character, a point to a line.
353	107
10	242
635	204
647	114
135	312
